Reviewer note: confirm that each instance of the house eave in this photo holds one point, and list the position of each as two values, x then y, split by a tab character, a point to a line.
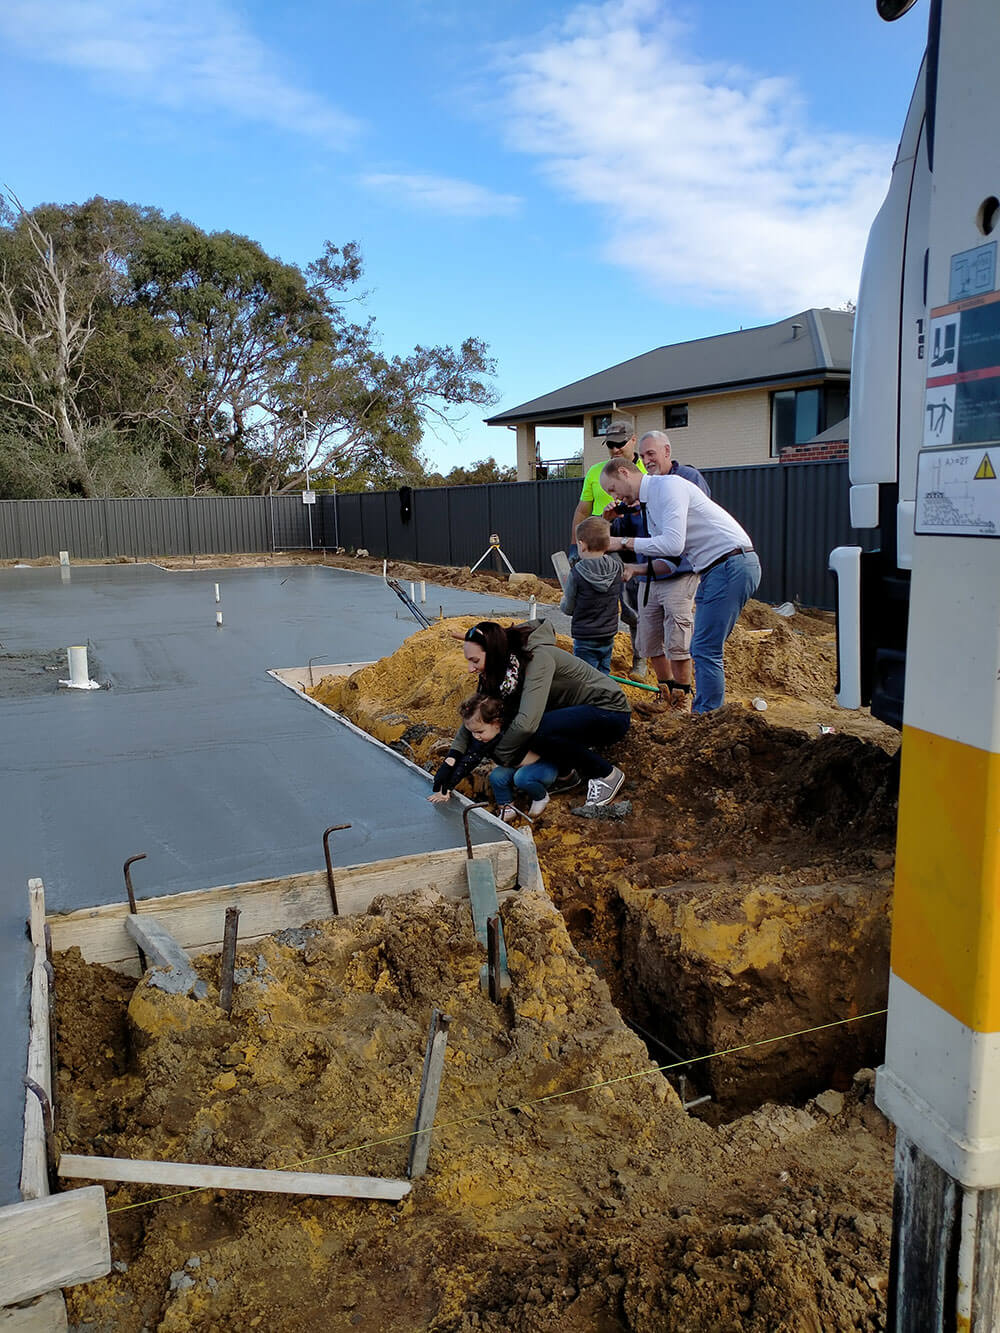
573	415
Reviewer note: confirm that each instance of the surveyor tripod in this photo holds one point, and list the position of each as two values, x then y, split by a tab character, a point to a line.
494	548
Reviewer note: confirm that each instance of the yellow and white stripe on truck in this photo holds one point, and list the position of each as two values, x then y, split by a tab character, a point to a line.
941	1080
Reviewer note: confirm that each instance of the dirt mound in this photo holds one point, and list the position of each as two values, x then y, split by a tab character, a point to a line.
483	580
411	698
605	1209
779	660
730	782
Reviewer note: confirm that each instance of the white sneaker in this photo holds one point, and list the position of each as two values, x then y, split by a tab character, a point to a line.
601	791
508	813
536	807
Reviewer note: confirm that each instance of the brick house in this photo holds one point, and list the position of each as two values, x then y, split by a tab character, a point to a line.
759	395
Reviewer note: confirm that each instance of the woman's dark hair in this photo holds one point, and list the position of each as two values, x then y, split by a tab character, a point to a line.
500	645
483	706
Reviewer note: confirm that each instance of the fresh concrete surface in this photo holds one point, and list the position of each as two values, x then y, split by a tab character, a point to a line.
195	755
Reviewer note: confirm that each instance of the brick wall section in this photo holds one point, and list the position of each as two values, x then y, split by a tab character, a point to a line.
723	430
814	453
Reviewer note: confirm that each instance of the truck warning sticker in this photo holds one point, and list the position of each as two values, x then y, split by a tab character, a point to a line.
962	401
973	272
958	493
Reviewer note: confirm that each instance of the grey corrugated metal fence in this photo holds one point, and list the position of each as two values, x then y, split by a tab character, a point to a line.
193	525
796	514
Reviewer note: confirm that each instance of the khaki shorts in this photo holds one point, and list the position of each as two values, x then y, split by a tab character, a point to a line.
666	621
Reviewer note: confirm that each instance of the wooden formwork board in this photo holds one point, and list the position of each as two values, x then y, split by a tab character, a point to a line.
196	920
38	1066
48	1241
54	1242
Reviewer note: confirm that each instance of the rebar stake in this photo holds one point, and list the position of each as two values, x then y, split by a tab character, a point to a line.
430	1086
49	1126
493	959
226	974
127	870
479	805
334	828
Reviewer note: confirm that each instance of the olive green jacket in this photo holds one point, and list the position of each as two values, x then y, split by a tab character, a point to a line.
553	678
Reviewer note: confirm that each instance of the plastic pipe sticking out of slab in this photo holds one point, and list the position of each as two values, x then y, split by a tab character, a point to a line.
79	676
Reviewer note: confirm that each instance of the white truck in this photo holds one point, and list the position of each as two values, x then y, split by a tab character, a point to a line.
904	354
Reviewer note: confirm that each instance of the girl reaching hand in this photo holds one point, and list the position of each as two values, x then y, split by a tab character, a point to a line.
482	717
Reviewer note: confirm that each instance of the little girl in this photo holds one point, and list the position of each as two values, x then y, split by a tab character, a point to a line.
482	718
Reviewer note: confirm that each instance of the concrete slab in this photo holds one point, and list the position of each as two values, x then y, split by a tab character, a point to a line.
193	754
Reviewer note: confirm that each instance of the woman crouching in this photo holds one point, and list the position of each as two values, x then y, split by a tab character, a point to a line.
552	705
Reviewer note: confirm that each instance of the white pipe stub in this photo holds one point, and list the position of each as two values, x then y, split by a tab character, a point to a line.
79	677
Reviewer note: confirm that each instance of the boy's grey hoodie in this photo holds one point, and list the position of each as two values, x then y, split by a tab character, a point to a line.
591	596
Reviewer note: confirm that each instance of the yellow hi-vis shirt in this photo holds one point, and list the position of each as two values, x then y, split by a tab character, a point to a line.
595	492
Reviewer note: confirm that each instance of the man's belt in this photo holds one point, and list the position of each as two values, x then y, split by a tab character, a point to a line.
721	560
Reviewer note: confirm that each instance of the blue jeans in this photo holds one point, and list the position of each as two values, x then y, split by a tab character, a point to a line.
562	731
597	652
532	780
722	594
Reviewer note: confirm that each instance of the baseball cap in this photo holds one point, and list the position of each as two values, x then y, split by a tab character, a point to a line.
618	433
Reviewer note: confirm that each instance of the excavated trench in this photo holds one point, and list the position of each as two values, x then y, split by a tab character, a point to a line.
747	892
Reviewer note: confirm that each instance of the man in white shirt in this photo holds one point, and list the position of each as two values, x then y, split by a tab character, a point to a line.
684	523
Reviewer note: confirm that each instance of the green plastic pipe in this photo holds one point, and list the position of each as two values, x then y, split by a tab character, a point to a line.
622	680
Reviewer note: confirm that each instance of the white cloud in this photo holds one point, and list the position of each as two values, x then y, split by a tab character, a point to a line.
713	185
444	194
190	54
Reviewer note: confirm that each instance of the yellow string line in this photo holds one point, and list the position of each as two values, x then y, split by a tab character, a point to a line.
536	1101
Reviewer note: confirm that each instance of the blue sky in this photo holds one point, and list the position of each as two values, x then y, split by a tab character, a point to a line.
575	184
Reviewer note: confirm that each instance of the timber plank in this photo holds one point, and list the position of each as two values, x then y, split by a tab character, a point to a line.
46	1314
230	1177
197	919
34	1171
53	1242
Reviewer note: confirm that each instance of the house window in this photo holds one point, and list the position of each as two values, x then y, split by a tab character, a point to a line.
799	414
602	424
675	415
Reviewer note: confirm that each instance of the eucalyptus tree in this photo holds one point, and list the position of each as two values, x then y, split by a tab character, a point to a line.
140	354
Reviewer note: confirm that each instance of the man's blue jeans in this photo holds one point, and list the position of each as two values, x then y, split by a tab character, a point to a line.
722	594
597	652
531	780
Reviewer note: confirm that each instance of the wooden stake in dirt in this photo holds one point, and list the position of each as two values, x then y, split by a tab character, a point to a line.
228	967
430	1086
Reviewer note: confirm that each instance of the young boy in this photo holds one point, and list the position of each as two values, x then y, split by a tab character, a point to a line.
592	591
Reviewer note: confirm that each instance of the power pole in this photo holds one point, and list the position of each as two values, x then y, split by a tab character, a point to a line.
308	499
940	1083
